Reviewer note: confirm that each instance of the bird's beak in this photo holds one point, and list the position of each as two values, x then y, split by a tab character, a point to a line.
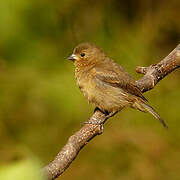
72	57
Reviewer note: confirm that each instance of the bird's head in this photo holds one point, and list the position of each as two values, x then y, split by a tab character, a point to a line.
87	53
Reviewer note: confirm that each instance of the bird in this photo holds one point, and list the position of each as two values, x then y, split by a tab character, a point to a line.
105	83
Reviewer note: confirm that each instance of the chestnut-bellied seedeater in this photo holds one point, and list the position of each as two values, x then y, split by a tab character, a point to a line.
105	83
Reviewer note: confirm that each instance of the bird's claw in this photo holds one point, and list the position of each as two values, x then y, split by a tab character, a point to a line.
95	121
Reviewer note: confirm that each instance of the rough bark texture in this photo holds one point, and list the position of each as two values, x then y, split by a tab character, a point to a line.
152	75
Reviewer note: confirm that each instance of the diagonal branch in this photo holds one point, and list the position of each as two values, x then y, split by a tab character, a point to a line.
152	75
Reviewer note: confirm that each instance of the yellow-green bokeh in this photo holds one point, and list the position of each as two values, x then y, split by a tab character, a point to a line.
41	106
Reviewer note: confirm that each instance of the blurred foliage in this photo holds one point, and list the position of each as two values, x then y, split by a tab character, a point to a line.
41	106
27	169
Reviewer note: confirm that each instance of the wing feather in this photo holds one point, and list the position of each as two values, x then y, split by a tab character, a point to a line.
120	80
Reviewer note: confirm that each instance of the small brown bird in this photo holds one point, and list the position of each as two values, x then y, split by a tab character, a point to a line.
105	83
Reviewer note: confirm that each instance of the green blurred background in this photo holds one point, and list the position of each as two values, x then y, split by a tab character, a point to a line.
41	106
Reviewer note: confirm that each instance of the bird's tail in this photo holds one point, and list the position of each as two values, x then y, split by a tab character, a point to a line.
142	106
148	108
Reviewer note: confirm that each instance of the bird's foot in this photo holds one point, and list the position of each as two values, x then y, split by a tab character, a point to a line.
104	112
96	122
107	113
110	114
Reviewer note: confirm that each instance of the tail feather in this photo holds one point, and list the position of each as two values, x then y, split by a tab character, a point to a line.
154	113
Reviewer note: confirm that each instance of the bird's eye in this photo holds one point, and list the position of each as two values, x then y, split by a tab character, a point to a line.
82	54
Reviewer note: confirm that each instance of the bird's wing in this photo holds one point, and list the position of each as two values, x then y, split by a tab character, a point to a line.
120	80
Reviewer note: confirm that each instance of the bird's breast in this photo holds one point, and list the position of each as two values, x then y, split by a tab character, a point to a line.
86	85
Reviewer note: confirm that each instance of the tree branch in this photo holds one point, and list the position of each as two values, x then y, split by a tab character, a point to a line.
152	75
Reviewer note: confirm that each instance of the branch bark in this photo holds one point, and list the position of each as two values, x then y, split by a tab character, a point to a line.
152	75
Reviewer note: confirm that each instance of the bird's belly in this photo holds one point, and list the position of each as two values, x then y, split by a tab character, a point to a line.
110	99
105	97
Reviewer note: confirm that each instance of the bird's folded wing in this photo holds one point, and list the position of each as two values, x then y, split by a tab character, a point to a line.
123	81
